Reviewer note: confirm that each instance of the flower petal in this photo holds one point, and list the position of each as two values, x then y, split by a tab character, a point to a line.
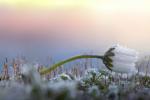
123	67
124	51
124	58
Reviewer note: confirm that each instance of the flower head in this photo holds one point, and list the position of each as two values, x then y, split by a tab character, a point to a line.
121	59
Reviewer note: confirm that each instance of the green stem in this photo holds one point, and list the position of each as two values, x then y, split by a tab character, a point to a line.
53	67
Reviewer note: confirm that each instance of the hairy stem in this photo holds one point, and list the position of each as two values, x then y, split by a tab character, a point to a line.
53	67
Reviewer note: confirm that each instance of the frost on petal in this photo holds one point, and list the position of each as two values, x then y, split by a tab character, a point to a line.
123	67
124	51
124	58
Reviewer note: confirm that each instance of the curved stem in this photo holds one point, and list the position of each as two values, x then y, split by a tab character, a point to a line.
53	67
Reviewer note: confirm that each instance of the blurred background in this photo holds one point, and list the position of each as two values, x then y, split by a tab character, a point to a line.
62	28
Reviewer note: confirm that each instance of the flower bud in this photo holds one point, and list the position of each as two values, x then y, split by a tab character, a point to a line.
121	59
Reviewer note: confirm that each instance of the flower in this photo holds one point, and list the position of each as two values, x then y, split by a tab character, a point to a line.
117	58
121	59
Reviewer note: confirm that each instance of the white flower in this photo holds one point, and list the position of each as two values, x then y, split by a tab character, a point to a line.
121	59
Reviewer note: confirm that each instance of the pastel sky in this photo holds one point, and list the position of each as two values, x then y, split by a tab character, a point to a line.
70	27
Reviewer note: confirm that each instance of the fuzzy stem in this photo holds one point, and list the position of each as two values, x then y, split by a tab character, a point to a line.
53	67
